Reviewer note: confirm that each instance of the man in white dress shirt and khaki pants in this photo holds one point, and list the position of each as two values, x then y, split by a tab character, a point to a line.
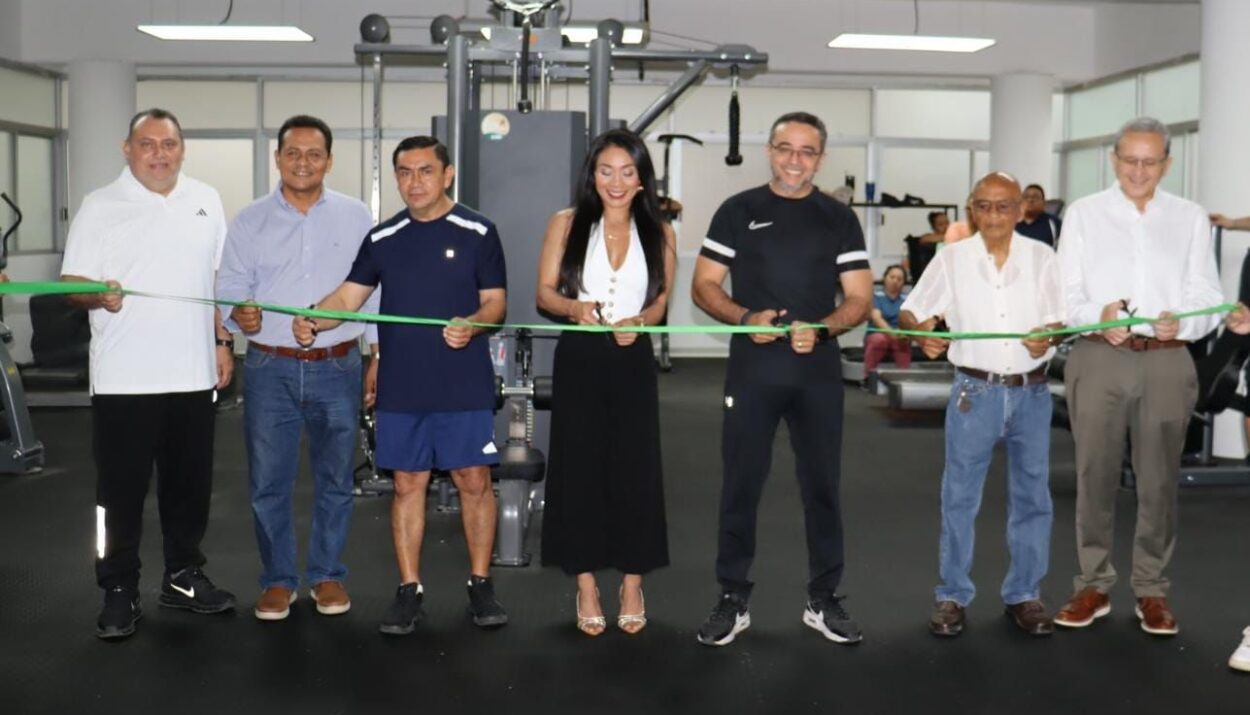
995	282
1133	249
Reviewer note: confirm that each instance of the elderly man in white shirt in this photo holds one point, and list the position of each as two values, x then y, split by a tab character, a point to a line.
996	282
1133	249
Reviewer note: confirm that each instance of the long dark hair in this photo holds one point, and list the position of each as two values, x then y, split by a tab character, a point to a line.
588	209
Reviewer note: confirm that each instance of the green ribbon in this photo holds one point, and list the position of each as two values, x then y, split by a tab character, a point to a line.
78	287
1093	327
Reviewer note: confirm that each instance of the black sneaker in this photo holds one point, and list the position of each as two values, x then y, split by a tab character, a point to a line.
826	614
729	618
190	589
405	611
119	614
484	608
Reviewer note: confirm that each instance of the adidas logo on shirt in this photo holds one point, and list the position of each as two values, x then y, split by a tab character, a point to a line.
201	212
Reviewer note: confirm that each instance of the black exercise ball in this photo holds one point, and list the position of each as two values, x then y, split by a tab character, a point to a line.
612	30
443	28
375	29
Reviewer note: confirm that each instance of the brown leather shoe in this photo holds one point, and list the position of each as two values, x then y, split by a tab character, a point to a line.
1156	618
274	603
1031	617
331	598
947	619
1083	608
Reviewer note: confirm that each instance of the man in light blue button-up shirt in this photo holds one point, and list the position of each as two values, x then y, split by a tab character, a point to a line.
291	248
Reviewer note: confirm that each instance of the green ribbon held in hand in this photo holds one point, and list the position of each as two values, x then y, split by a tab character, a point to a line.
1094	327
77	287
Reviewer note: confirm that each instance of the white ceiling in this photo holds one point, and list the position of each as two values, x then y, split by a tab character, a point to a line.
1072	41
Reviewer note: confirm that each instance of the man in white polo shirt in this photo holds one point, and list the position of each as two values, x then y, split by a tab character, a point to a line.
154	366
995	282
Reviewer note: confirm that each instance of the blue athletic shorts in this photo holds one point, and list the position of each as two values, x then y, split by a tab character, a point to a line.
420	441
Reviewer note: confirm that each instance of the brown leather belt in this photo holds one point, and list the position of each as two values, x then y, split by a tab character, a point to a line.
307	354
1038	375
1139	343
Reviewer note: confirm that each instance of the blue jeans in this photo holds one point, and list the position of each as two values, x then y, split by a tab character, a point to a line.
281	397
1020	417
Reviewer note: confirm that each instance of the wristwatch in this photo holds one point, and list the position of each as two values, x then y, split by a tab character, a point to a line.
225	343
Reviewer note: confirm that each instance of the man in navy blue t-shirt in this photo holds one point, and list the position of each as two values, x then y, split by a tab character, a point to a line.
435	392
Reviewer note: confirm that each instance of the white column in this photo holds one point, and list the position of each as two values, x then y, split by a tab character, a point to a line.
1021	142
101	101
11	31
1224	145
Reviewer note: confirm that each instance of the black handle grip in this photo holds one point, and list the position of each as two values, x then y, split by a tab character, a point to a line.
733	158
524	105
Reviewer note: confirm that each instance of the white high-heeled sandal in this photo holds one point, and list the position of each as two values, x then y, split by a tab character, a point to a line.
590	625
632	619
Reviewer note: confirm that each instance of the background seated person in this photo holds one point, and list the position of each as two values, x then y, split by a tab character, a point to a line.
1036	223
959	230
939	222
921	249
886	302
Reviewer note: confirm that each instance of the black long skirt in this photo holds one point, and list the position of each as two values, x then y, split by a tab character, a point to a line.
605	490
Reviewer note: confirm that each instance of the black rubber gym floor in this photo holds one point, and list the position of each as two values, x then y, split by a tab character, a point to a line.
51	662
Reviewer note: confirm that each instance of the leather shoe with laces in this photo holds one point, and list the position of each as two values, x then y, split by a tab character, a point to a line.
947	619
1156	618
1031	617
1083	608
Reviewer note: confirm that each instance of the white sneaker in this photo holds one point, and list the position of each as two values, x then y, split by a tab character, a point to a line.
1240	659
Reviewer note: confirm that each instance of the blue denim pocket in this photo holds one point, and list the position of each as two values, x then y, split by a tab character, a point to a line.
348	363
1040	388
255	358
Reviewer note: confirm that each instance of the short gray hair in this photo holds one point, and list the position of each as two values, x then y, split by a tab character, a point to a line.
1145	125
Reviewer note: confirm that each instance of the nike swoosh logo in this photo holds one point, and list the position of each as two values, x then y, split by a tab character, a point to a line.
188	592
756	226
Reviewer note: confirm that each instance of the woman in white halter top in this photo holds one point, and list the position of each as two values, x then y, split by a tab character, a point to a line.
607	261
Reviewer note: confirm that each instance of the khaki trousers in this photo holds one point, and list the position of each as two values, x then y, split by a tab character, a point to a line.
1147	396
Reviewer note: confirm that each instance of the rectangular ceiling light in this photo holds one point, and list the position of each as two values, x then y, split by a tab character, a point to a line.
582	35
228	33
918	43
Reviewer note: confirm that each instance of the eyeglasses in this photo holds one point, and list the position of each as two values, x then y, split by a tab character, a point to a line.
999	207
1140	163
805	153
